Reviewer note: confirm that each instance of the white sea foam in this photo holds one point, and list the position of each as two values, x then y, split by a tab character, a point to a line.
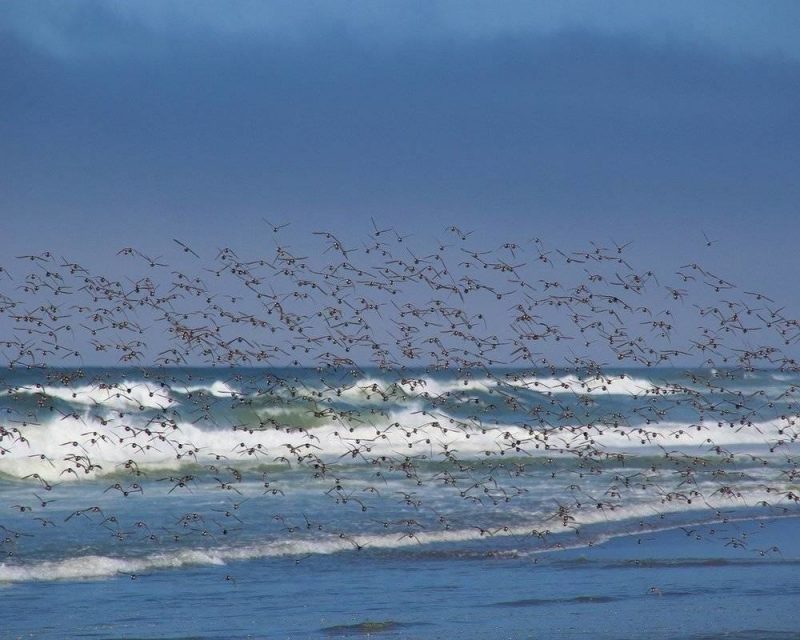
597	385
218	389
99	566
121	395
105	446
433	387
649	515
82	447
372	390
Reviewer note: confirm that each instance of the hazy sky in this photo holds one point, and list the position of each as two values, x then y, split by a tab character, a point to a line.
132	123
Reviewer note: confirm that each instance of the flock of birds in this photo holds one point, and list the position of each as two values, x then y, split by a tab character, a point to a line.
378	320
295	309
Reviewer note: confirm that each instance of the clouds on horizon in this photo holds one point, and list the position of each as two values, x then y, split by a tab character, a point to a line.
570	120
108	27
636	125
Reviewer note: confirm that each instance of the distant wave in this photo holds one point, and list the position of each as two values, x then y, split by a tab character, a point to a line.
623	384
122	395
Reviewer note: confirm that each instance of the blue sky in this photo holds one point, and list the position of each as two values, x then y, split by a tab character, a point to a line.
652	123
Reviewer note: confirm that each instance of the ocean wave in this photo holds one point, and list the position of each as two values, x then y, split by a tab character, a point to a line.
622	384
77	447
544	535
120	395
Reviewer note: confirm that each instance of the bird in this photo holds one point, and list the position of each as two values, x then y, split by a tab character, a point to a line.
185	248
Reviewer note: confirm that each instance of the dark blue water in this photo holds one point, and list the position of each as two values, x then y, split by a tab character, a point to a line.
667	586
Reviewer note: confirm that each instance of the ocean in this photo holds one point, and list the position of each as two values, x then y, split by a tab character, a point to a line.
376	439
292	502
